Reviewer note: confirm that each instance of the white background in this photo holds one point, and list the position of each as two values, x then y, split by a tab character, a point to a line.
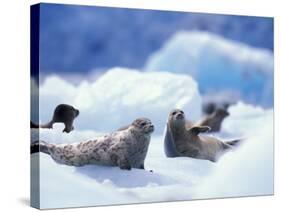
14	124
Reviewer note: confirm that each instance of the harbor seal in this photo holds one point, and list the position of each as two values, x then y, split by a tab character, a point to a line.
214	120
209	106
182	142
126	149
63	113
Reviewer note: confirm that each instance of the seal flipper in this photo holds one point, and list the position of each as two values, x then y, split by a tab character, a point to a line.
199	129
169	144
33	125
40	146
68	126
233	142
123	163
48	125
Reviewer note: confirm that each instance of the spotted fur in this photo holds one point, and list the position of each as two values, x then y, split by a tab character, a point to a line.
126	149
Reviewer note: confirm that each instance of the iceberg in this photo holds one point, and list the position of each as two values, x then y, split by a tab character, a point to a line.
224	69
120	96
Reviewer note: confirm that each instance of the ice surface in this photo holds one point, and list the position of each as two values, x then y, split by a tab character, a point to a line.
64	186
247	170
120	96
224	69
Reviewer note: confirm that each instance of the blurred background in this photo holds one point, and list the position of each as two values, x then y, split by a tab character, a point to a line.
229	59
82	38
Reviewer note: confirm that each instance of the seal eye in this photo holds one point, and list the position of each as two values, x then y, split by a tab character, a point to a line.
142	124
174	113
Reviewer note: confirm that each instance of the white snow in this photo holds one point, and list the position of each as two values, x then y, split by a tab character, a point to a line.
65	186
120	96
248	170
224	69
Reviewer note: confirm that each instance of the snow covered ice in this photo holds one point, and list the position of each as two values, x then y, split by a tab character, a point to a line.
120	96
247	170
224	69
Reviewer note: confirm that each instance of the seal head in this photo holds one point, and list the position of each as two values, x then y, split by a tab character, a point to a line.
176	119
220	112
65	114
142	126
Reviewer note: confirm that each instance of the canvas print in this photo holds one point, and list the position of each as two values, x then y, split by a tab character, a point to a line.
141	106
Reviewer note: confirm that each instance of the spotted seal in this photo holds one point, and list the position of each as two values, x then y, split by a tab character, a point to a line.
124	148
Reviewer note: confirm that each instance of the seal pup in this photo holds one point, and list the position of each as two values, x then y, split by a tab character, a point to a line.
126	149
63	113
214	120
210	106
182	142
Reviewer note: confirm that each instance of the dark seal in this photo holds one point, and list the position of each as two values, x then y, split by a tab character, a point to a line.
63	113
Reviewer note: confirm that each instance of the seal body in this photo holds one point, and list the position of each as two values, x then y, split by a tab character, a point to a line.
125	148
169	144
214	120
181	141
